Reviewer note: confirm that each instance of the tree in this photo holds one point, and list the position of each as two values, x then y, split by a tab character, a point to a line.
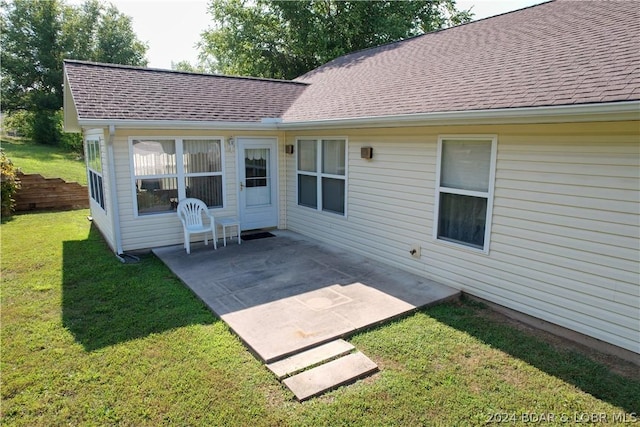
284	39
37	35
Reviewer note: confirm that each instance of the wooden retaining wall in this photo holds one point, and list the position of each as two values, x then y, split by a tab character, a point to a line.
39	193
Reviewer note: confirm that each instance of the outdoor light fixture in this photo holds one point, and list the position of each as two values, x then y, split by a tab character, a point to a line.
288	148
231	144
366	153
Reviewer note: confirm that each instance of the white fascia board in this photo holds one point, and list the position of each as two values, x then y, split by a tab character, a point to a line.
175	124
614	111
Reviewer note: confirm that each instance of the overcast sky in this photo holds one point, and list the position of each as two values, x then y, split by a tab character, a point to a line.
171	28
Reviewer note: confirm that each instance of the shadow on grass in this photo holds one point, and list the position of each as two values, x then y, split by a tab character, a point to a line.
105	302
570	366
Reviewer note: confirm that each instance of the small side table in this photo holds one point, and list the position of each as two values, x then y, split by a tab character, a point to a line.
228	222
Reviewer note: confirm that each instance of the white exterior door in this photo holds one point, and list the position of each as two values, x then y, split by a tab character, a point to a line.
258	197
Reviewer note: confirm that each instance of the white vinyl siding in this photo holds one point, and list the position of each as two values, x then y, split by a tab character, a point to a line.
564	228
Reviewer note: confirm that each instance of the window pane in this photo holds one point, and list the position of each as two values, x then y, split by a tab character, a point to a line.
307	155
333	195
202	156
307	191
156	195
206	188
466	165
93	155
154	157
462	219
333	157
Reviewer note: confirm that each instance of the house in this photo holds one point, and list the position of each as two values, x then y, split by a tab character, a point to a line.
500	157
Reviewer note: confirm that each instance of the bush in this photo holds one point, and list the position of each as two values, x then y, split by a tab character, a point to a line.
68	141
18	123
9	184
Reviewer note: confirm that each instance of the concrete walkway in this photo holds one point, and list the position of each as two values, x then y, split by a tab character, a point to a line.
288	293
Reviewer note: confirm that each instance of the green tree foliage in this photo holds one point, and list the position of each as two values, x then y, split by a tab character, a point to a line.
284	39
37	35
8	184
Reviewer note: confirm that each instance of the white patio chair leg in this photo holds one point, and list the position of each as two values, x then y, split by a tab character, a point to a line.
215	239
187	242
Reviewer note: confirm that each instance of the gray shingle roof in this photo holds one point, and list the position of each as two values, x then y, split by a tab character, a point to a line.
557	53
105	91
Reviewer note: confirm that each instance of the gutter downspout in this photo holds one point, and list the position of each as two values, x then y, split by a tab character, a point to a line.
115	209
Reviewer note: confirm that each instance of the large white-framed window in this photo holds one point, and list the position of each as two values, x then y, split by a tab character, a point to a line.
465	176
166	170
322	174
93	156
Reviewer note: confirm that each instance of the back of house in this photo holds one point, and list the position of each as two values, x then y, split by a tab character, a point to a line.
499	157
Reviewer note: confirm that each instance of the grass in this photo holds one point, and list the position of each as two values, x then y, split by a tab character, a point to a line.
87	340
46	160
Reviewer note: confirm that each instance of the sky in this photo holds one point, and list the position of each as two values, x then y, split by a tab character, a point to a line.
172	28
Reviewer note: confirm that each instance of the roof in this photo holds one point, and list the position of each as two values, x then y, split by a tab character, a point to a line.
107	91
556	53
560	53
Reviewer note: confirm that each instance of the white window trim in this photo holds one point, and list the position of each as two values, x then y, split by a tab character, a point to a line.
489	195
180	174
93	139
319	174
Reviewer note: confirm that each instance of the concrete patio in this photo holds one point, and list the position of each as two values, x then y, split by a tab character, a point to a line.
291	300
288	293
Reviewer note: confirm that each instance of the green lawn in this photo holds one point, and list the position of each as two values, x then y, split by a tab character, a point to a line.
87	340
46	160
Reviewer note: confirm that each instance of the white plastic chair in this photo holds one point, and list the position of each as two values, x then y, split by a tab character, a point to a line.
190	212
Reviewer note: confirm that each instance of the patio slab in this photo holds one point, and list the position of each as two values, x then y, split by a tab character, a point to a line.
288	293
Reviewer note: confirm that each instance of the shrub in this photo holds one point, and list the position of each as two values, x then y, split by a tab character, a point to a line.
68	141
18	123
9	184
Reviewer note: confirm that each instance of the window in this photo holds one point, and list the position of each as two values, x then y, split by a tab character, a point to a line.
321	174
464	190
94	170
167	170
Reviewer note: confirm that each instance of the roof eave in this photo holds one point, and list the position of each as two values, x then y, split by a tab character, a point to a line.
175	124
612	111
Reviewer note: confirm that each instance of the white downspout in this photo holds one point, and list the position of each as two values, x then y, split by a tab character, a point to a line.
115	210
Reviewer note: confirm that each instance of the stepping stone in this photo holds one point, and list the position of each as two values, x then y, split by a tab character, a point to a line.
301	361
333	374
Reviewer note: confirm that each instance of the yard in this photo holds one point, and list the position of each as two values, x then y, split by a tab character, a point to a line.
87	340
50	161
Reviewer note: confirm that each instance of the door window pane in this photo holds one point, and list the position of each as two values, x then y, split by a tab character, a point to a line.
307	191
256	163
307	155
466	165
462	219
333	157
333	195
